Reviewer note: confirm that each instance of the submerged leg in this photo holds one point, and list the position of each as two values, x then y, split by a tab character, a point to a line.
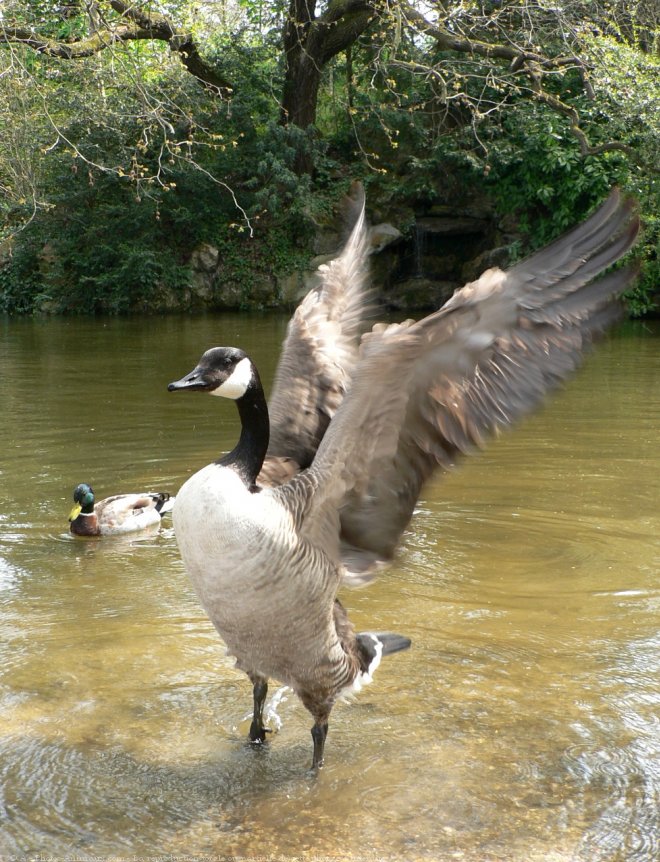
259	691
319	733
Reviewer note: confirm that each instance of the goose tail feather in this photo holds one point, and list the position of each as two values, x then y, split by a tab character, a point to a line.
165	503
372	646
391	642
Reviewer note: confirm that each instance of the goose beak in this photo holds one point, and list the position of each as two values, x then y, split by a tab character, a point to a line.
193	380
73	514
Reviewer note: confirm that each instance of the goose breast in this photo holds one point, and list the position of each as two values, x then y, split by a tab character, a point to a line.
255	576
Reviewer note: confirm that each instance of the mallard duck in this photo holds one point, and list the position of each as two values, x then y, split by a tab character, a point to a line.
123	513
360	425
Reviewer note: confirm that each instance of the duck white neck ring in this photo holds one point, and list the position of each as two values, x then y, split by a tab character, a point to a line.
236	385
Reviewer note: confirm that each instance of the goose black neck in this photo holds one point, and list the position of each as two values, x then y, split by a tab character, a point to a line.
247	457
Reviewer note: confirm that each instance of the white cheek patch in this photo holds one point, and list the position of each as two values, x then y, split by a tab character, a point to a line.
236	385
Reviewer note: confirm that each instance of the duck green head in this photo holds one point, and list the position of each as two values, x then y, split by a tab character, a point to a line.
83	497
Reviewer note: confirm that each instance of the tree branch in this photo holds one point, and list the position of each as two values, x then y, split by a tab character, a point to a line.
449	42
136	25
337	35
532	65
68	50
338	8
586	149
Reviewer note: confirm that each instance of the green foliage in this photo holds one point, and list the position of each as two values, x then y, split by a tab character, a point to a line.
20	281
537	172
119	166
542	184
131	202
108	254
645	297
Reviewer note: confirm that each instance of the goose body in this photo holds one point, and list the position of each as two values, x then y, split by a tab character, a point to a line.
324	480
242	528
116	515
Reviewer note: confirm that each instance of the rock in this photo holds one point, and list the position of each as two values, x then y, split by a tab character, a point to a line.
201	286
320	260
452	225
228	295
205	258
480	207
449	246
292	288
163	298
417	293
472	269
327	242
232	295
382	235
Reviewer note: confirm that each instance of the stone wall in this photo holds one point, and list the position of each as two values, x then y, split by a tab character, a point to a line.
420	256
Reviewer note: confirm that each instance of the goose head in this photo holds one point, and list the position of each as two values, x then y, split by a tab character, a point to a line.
225	371
229	372
83	497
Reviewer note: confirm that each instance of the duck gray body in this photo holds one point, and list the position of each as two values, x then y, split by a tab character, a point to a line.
324	480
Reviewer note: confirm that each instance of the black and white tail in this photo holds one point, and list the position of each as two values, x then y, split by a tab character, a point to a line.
372	646
164	502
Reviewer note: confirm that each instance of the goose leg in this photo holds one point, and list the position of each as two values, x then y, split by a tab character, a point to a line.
259	691
320	705
319	733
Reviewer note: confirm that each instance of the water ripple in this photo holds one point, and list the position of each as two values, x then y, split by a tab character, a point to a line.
522	726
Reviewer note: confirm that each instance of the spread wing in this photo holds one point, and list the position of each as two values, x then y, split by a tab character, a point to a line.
425	393
321	349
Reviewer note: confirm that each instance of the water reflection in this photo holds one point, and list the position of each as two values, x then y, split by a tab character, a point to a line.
523	725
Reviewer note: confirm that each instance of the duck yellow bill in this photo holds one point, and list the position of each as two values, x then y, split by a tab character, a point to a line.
73	514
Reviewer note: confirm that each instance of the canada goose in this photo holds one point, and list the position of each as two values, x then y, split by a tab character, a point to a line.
123	513
367	429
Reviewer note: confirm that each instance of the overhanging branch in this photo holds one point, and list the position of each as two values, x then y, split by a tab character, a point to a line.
342	33
533	66
135	25
586	148
447	41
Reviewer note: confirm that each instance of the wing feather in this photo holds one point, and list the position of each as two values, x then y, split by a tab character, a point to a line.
491	355
321	348
426	393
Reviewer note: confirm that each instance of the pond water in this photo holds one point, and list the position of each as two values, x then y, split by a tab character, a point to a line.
523	724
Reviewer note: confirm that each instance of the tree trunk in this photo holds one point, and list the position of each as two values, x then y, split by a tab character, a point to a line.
299	100
300	95
310	43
